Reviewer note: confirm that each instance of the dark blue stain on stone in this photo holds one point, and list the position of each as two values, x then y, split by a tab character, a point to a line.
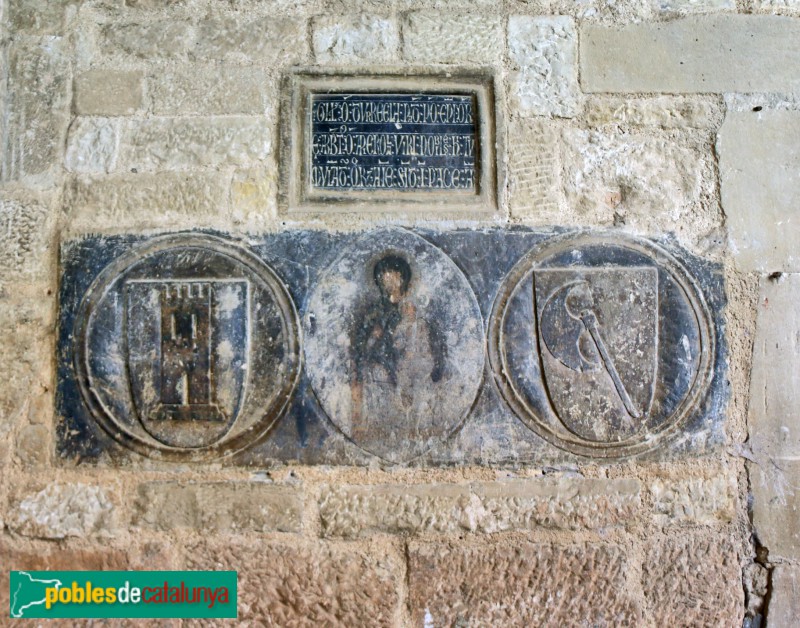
492	434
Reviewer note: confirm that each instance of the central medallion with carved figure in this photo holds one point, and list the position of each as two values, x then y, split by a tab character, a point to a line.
394	344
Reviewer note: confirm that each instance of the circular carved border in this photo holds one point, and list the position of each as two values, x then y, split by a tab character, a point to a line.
516	400
226	446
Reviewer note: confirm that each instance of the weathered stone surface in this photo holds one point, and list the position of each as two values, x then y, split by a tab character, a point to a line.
218	507
63	510
147	40
569	503
518	584
133	201
667	112
720	53
784	599
31	17
759	102
534	170
253	193
271	40
446	38
652	185
109	92
543	50
286	585
175	143
25	357
699	500
759	160
775	374
394	352
686	7
355	39
25	228
33	445
92	145
774	398
57	558
693	580
780	7
208	90
776	505
38	111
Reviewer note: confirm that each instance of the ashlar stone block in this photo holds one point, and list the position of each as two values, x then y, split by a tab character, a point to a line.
153	39
355	39
201	89
25	227
107	92
285	585
693	580
271	40
64	510
92	145
178	143
445	37
133	200
38	111
567	503
772	416
714	53
544	52
666	112
779	7
519	584
759	161
784	600
686	7
219	507
653	184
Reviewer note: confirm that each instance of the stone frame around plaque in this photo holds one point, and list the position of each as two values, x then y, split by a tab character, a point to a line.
296	194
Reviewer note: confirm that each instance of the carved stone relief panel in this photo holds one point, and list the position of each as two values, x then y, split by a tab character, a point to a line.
187	347
602	345
392	345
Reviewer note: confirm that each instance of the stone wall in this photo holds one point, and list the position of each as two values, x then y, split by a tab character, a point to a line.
676	121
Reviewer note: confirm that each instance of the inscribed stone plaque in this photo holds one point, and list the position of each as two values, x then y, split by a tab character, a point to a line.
402	142
187	347
388	143
602	345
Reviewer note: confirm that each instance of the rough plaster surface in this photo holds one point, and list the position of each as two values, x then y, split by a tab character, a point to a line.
144	115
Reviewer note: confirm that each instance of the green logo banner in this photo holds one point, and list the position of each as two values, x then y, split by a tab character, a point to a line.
122	594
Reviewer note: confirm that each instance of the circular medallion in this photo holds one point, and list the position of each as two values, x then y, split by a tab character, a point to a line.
394	344
602	345
188	348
